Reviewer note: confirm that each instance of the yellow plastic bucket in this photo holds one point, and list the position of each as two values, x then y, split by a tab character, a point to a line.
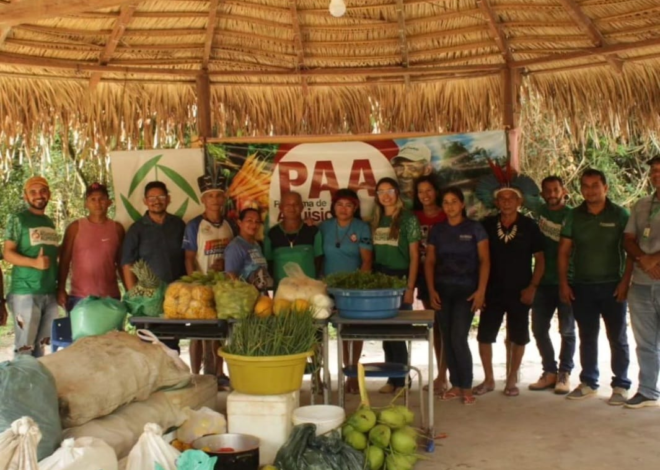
271	375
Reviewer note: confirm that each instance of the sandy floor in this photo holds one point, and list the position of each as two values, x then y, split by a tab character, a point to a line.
537	430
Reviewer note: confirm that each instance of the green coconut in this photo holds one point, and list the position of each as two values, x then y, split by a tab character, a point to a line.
375	457
403	443
391	418
356	440
398	462
406	413
347	429
380	436
412	432
363	420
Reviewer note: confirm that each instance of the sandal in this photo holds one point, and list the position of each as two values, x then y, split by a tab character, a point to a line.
469	399
482	389
386	389
512	391
450	395
436	389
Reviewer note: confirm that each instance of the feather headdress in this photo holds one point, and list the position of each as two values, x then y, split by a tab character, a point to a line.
507	179
214	178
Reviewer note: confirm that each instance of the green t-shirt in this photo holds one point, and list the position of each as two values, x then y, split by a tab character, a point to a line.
550	223
395	253
598	254
301	247
31	233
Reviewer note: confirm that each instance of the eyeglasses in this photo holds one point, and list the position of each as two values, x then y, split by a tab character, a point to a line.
390	191
156	198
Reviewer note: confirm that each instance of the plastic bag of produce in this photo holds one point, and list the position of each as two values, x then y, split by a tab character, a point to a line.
94	316
234	298
18	445
28	389
142	306
151	450
305	451
297	285
200	423
81	454
194	460
193	301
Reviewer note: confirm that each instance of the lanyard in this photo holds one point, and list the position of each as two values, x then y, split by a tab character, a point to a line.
652	212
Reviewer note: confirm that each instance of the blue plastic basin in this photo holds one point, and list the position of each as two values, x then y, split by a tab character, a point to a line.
374	304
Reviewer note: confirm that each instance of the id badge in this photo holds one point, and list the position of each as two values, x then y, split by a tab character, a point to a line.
647	232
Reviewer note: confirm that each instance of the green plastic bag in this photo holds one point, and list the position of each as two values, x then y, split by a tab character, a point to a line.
94	316
28	389
306	451
146	306
193	460
234	299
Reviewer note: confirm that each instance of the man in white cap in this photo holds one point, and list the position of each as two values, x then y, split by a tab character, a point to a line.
412	162
204	242
514	241
31	246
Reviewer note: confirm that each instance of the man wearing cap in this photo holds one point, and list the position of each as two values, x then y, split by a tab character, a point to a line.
592	237
204	242
91	250
514	241
31	246
412	162
642	242
156	238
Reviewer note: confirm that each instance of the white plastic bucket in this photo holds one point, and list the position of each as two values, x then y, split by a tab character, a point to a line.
325	417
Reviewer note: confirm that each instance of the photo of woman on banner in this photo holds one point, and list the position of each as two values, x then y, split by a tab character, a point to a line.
412	162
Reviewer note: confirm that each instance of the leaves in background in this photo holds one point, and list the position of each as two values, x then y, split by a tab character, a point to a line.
182	210
132	211
142	173
179	181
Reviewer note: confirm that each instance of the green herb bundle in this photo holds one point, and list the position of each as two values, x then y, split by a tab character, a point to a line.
276	335
360	280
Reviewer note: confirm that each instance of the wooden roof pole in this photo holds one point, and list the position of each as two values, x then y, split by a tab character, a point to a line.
403	40
585	23
33	10
298	42
125	16
496	31
210	32
204	126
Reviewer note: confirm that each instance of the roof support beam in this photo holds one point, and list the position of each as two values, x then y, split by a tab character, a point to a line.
495	28
403	40
210	32
585	23
204	127
33	10
125	16
298	42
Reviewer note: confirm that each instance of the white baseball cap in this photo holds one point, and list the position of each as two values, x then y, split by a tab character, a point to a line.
413	152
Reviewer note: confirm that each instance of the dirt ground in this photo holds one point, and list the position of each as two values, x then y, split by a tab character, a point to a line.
537	430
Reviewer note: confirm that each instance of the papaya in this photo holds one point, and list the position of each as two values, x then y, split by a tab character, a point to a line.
263	307
281	306
300	305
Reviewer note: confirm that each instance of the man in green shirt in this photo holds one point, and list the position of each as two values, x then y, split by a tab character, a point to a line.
592	236
3	303
293	241
31	246
550	218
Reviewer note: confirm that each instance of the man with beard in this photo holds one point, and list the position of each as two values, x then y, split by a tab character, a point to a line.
412	162
31	246
550	216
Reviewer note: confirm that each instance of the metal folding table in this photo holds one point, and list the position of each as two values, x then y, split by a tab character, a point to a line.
408	326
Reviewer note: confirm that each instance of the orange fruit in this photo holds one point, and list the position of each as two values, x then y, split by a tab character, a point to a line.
281	306
263	307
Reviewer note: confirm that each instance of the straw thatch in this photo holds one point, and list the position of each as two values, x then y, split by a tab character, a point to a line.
287	67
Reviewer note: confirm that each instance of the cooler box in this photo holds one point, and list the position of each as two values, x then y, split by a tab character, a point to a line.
268	417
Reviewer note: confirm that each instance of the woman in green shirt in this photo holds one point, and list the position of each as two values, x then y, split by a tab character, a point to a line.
396	236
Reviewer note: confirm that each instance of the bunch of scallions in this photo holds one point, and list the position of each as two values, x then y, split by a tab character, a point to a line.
277	335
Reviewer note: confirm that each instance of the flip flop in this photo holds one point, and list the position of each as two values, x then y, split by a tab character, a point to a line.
482	389
436	390
449	395
469	399
512	391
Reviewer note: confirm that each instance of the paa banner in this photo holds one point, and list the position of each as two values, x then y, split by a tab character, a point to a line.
178	169
257	175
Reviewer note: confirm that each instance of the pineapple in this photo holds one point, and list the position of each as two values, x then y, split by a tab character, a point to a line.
147	282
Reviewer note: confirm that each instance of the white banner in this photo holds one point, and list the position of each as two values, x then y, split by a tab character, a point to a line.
178	169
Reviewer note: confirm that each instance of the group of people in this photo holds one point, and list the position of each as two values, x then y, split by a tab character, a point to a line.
572	261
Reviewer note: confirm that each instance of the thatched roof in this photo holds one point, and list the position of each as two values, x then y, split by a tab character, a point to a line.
289	67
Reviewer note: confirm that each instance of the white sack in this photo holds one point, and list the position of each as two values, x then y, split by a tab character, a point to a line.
96	375
201	423
18	446
86	453
152	449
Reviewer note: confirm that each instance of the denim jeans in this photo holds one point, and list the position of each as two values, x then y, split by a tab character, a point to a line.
455	319
33	321
592	301
546	302
645	317
397	353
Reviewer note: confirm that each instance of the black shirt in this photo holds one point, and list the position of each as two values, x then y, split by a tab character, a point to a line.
511	252
160	245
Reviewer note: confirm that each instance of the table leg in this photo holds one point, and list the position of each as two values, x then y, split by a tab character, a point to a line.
327	385
431	416
340	366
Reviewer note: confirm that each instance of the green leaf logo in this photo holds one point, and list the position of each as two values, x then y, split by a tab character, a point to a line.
178	180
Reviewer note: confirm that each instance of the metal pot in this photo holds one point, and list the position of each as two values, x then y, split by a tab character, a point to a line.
245	455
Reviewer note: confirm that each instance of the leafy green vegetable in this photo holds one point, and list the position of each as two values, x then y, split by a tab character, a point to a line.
364	281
